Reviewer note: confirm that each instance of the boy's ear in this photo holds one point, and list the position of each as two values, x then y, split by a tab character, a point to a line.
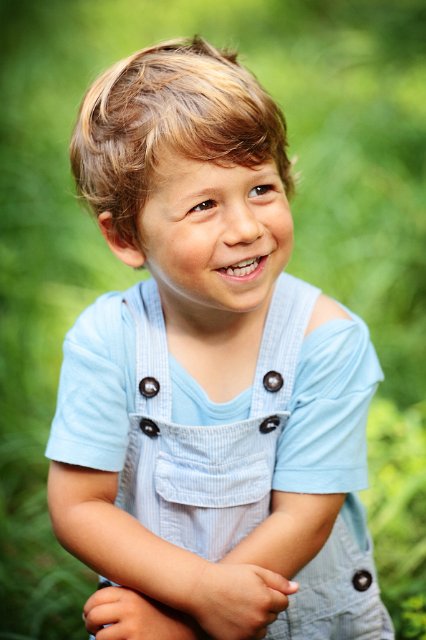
127	252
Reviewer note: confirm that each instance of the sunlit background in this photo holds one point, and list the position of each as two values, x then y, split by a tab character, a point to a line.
350	77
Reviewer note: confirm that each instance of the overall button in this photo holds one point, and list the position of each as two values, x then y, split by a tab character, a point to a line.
273	381
149	428
269	424
149	387
362	580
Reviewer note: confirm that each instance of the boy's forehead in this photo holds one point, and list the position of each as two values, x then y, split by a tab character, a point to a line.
173	168
168	161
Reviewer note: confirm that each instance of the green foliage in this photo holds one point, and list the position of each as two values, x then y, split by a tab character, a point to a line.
414	616
396	506
350	78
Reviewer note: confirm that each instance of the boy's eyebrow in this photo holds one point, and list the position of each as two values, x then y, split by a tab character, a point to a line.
208	192
267	172
261	175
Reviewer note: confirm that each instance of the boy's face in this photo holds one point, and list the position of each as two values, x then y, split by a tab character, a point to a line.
214	237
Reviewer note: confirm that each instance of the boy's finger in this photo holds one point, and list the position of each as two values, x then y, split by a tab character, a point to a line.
103	596
279	601
113	632
278	582
89	627
101	615
292	586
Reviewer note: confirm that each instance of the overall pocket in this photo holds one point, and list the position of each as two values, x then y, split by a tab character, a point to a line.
207	507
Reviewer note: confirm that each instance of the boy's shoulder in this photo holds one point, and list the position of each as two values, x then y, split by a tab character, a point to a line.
337	357
99	327
99	312
104	327
325	310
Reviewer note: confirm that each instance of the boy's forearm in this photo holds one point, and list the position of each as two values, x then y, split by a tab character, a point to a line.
115	544
277	544
292	535
235	600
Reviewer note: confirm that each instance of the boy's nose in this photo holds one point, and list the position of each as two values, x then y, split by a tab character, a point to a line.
242	226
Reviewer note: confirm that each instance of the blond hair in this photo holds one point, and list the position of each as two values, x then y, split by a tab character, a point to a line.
184	96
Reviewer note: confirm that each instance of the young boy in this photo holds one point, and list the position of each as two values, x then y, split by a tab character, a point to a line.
209	433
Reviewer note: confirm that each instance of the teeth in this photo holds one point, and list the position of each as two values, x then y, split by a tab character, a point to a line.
243	263
243	268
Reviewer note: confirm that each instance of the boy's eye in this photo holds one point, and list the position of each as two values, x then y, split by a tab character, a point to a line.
203	206
260	190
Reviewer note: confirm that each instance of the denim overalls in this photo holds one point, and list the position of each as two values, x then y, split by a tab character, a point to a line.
204	488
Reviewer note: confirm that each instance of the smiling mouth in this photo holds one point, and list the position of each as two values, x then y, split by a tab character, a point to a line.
243	268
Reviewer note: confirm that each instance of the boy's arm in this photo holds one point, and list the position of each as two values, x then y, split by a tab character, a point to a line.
300	523
131	616
271	545
234	600
292	535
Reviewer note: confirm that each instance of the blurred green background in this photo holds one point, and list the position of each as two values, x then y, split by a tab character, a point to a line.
350	76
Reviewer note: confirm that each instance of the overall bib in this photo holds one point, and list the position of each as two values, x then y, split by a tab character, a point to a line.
204	488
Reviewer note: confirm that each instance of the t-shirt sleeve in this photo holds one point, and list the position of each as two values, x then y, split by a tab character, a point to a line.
322	448
90	426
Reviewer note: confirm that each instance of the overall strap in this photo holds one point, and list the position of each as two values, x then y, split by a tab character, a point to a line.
289	313
152	365
288	316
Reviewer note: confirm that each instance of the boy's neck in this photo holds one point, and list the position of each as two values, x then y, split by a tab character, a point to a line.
211	325
219	350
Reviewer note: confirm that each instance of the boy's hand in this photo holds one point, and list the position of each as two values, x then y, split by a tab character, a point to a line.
238	602
131	616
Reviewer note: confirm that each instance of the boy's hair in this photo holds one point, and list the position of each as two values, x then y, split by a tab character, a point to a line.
182	96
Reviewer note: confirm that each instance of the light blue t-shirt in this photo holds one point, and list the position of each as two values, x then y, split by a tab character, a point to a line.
191	405
321	450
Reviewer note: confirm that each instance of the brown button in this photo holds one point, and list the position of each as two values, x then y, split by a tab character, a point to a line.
149	387
273	381
362	580
149	428
269	424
